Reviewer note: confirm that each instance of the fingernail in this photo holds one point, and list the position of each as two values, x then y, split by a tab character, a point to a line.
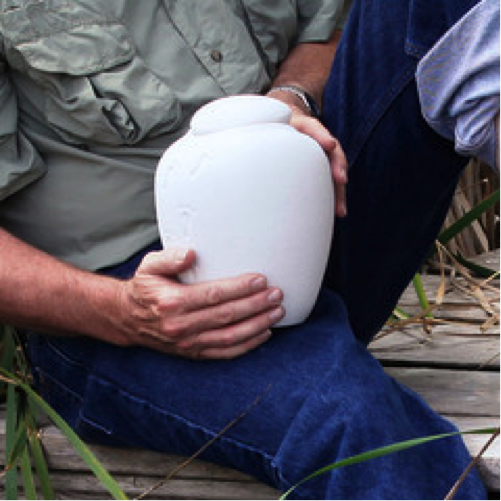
180	255
258	284
276	314
275	296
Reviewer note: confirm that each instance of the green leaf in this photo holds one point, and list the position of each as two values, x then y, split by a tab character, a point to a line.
18	446
38	456
421	294
10	441
384	451
8	352
400	314
30	491
478	269
468	218
83	451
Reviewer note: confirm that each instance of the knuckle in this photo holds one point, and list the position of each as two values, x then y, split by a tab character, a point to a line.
225	315
227	340
188	345
213	295
172	330
173	302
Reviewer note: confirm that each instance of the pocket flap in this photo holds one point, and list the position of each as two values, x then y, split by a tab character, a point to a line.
80	50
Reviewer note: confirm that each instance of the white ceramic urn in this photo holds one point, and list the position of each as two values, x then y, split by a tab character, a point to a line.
249	193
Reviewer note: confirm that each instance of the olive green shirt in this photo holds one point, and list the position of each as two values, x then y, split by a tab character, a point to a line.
93	91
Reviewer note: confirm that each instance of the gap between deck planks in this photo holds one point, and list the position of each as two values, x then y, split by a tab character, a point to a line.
452	367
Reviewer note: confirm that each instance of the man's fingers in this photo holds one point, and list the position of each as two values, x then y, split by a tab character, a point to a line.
236	350
232	336
233	312
167	262
208	294
339	166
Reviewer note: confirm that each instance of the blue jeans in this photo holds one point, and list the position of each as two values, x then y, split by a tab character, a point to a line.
324	397
402	174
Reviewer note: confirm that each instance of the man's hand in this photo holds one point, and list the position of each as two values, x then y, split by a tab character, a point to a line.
339	166
218	319
307	66
312	127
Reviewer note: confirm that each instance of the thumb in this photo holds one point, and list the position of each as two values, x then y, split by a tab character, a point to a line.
167	262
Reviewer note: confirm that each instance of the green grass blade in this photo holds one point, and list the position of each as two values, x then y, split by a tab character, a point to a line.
18	446
468	218
10	441
30	491
7	347
39	461
478	269
82	450
421	294
384	451
400	314
8	353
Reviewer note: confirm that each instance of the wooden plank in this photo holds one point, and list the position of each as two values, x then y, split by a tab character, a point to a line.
454	346
489	259
72	480
136	470
457	394
82	485
489	466
453	392
459	303
468	399
453	294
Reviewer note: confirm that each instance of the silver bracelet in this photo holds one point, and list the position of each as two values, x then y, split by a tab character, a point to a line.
305	97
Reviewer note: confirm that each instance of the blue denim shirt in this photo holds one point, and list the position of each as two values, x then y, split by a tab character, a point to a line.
458	82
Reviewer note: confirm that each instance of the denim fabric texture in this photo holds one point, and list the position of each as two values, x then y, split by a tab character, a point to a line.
324	397
401	174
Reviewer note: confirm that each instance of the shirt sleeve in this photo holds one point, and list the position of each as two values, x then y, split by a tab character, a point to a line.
458	83
20	163
319	18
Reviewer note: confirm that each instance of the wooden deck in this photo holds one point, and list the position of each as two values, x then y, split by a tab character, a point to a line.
452	361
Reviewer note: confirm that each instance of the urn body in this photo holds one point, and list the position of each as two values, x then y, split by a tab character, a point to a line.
249	193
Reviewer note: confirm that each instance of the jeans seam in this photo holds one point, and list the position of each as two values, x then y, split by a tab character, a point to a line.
373	118
187	422
65	357
60	384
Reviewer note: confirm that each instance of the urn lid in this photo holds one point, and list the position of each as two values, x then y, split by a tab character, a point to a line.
238	111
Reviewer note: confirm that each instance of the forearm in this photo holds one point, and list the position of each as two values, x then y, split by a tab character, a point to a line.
42	293
307	66
215	319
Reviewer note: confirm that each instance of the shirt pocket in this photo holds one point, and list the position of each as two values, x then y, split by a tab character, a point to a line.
95	86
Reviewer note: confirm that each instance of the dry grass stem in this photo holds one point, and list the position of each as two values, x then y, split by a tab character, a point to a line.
472	464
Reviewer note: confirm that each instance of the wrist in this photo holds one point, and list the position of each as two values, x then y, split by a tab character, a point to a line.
301	96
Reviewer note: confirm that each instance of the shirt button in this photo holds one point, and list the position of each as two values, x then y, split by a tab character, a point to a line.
216	55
